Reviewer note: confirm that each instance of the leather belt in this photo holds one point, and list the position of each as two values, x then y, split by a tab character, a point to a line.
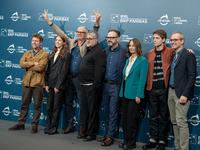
172	87
73	75
112	82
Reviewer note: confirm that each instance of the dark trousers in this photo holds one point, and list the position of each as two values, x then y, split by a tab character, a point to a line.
90	109
27	93
158	107
72	85
54	106
111	103
130	113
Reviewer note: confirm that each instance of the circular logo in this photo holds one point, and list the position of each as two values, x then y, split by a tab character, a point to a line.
164	20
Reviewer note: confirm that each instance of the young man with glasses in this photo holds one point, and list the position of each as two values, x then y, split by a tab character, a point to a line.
90	77
77	48
115	61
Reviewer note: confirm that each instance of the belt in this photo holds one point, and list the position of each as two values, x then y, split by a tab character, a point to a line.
172	87
111	82
73	75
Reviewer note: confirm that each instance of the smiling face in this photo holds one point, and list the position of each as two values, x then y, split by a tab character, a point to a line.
176	42
59	42
35	43
81	34
132	48
112	39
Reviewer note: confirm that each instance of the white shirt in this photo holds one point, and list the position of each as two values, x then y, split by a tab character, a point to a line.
55	56
128	68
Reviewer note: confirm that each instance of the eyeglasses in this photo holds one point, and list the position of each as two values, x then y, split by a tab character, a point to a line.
175	40
79	32
90	39
111	38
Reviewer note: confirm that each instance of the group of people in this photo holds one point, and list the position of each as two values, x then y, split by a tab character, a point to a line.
116	74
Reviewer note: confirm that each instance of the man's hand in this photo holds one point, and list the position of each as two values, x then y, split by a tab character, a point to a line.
56	90
98	17
191	51
36	63
183	99
47	88
137	100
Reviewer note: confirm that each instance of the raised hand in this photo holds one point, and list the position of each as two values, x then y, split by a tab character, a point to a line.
98	17
45	15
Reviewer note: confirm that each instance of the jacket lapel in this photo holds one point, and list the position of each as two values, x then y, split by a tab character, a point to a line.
136	63
181	56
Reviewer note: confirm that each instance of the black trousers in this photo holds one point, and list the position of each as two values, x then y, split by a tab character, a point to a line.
158	107
90	108
130	120
54	106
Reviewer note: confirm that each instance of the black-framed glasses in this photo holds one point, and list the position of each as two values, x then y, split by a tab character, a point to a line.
90	39
175	40
79	32
111	38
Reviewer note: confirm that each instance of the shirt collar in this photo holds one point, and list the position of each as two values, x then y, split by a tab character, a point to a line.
115	49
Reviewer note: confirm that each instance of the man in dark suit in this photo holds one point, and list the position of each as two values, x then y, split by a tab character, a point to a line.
115	61
181	89
91	72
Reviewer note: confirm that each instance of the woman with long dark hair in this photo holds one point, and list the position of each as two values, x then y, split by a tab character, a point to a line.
132	90
56	75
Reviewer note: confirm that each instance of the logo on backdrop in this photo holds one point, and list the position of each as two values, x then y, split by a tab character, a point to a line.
51	17
75	122
194	120
116	18
197	82
48	34
9	80
11	49
8	63
46	49
1	17
199	21
70	34
41	32
15	16
82	18
193	139
148	39
4	32
42	116
6	111
195	100
16	112
2	63
0	94
125	38
197	42
10	32
103	125
164	20
75	105
14	97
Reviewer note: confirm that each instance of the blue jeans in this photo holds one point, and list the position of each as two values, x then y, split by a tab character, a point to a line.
111	103
72	85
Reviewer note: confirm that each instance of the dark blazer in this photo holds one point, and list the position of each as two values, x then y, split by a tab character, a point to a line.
185	75
136	79
121	62
57	72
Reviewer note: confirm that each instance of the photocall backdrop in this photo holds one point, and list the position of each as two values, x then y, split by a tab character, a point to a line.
133	18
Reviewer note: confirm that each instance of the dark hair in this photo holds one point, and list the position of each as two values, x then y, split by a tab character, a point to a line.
62	51
116	31
161	33
38	36
137	45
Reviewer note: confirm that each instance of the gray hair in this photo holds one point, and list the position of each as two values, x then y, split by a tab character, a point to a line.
93	33
84	28
182	37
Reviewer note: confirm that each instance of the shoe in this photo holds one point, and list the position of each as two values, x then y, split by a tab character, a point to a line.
17	127
52	133
129	147
34	129
89	138
68	130
81	136
80	130
149	145
161	147
101	139
121	145
107	142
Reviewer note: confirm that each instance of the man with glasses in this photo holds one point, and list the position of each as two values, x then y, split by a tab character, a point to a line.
90	77
77	48
115	61
181	89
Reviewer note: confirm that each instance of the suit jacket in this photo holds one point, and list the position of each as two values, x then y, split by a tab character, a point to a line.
121	62
57	72
71	43
34	75
136	79
185	75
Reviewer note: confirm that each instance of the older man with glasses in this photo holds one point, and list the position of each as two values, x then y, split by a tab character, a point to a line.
77	48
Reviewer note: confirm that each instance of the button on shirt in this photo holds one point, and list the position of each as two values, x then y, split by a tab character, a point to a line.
173	64
112	65
75	60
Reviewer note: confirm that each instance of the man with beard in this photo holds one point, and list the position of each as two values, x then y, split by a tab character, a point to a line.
115	61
